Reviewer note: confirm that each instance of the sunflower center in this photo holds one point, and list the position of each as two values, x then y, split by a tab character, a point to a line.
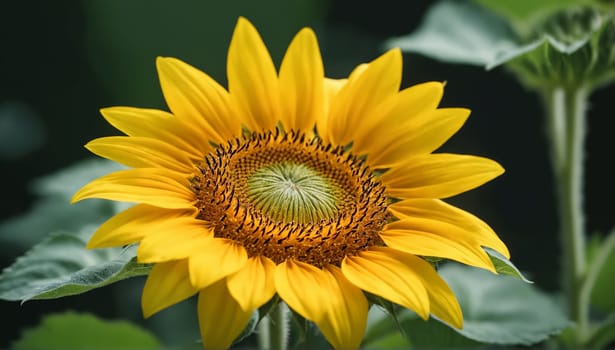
292	192
287	196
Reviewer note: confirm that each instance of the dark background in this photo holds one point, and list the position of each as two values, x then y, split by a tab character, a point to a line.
61	61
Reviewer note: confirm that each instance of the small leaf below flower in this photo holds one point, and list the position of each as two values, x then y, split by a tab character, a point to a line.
504	266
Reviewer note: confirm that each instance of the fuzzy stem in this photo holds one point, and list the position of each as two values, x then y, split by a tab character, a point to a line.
274	329
566	120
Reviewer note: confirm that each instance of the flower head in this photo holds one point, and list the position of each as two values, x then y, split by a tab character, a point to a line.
288	182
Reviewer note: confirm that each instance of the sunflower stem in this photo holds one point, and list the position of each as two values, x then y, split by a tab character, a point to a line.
566	126
274	329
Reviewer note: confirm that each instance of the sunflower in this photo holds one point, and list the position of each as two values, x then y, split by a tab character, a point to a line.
321	191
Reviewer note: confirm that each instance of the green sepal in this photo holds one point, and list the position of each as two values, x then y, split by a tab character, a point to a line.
384	330
250	327
304	334
574	47
391	309
60	265
300	327
268	306
504	266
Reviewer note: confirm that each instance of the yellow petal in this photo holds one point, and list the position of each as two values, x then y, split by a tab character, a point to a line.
434	209
331	88
372	268
141	152
301	83
327	298
221	319
198	100
360	97
156	124
442	301
133	224
434	238
252	78
420	136
173	242
439	175
390	274
398	119
214	259
167	284
252	286
157	187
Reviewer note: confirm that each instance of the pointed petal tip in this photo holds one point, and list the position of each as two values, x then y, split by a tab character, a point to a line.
167	284
163	62
104	111
395	51
456	322
393	55
306	31
92	244
148	309
242	19
495	168
100	241
160	63
244	23
500	168
78	196
464	111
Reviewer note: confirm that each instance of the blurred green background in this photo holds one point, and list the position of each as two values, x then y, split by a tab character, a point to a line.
61	61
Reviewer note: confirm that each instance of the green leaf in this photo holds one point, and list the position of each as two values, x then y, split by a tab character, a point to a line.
601	274
569	48
522	9
383	332
501	309
52	210
61	265
603	334
504	266
497	309
459	32
523	14
78	331
67	181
